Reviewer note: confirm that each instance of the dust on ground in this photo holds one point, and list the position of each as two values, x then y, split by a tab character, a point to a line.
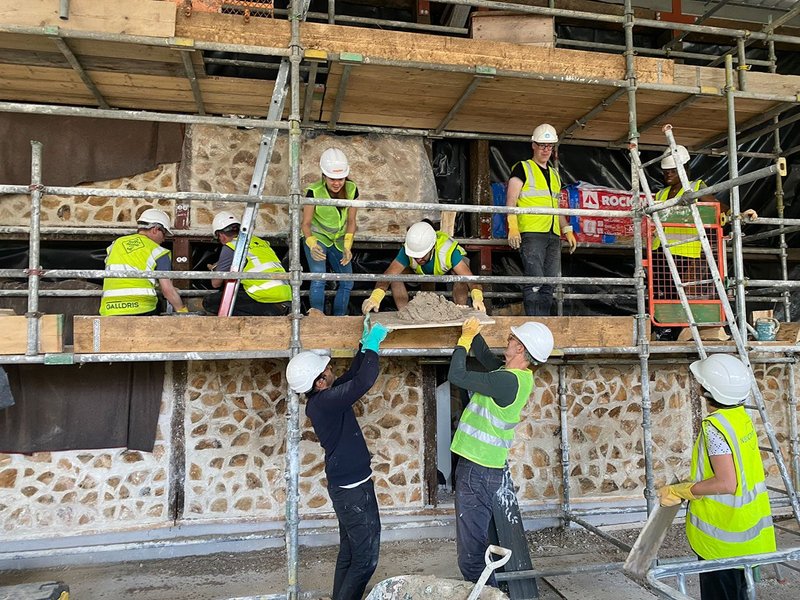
225	575
430	306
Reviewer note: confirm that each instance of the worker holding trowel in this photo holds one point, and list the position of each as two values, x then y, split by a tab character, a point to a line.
329	405
485	431
426	252
729	512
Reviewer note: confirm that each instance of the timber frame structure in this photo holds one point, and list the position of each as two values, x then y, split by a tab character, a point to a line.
440	88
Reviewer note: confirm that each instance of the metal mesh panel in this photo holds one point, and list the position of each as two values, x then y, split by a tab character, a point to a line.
251	8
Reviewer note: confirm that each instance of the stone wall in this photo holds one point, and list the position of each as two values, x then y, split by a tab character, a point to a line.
234	426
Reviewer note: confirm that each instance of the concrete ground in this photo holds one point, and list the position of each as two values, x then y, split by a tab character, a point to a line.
225	576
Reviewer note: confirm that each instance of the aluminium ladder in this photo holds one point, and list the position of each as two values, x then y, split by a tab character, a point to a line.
716	279
260	171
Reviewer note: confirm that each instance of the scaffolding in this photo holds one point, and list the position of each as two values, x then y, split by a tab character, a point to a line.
642	353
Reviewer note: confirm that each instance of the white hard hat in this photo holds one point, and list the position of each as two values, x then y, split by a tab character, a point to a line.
223	220
153	216
724	376
537	339
333	163
545	134
303	370
668	162
420	238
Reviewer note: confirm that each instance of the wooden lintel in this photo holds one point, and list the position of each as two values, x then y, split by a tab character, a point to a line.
94	334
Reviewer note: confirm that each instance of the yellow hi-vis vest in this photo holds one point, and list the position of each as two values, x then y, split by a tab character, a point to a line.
330	222
486	431
442	255
134	296
535	192
676	234
261	258
726	525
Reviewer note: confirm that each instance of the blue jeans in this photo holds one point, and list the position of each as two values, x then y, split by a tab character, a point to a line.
541	257
359	539
476	487
317	289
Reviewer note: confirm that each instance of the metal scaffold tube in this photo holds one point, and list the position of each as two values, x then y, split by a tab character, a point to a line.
566	505
34	268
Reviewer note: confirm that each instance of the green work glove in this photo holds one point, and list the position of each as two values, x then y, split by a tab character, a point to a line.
365	331
373	339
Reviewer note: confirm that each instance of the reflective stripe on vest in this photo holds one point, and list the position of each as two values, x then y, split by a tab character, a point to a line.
676	234
135	295
536	193
442	254
726	525
329	223
486	430
261	258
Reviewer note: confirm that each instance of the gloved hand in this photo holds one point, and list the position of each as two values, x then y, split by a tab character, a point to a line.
374	301
514	237
317	251
573	243
469	330
477	300
750	215
671	495
374	338
348	252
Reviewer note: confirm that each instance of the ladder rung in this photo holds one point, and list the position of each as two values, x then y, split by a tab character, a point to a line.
778	490
712	324
682	242
750	406
787	530
765	448
699	282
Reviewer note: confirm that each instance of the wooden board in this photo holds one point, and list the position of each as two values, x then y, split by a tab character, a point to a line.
179	334
518	28
194	334
14	334
142	17
645	549
392	322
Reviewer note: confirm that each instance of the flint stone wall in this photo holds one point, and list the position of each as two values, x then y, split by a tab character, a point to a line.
221	159
234	427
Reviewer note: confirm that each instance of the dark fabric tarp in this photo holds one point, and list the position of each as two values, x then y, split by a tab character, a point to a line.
79	407
78	150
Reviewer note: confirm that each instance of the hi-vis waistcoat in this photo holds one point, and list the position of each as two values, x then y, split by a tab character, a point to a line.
261	258
442	255
329	222
132	296
676	234
535	192
726	525
486	431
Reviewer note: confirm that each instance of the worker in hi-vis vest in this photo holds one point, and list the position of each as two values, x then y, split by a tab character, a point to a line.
140	251
254	297
535	184
729	513
329	230
686	255
427	252
485	431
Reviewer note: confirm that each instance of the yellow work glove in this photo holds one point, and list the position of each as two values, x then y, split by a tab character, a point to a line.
514	237
671	495
374	301
573	243
348	252
477	300
183	309
317	251
469	330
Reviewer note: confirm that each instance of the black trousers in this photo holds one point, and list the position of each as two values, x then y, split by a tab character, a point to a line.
359	539
728	584
247	307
